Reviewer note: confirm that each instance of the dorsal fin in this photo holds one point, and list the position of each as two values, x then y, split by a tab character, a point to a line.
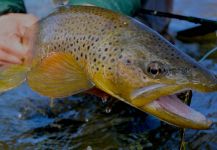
58	75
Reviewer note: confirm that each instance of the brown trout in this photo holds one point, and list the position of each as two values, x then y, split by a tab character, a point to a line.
79	48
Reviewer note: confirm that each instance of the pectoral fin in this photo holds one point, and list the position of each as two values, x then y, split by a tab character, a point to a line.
12	76
58	75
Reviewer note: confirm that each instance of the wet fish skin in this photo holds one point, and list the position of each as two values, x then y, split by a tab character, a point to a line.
77	48
109	42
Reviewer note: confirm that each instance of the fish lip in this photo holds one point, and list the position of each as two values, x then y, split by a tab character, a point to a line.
168	110
146	89
192	119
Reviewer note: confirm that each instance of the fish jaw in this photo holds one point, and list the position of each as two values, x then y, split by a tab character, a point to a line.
171	110
161	100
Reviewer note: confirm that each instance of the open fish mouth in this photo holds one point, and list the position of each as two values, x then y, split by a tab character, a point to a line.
172	110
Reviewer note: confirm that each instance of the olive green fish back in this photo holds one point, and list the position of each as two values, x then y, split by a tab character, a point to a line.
87	34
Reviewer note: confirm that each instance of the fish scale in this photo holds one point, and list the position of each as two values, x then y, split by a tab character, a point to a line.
84	48
82	42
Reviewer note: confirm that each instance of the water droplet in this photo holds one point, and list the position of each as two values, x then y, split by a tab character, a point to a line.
104	100
20	116
89	148
108	110
51	104
86	120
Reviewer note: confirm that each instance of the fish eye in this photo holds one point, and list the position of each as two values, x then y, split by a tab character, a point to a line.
155	69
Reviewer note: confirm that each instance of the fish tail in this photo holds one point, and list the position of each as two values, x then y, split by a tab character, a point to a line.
12	76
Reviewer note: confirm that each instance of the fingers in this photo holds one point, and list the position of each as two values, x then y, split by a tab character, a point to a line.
13	46
25	21
5	57
13	28
18	22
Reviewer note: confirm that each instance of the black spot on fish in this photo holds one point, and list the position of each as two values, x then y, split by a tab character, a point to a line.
128	61
112	60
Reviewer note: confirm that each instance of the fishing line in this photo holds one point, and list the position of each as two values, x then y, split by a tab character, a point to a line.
208	53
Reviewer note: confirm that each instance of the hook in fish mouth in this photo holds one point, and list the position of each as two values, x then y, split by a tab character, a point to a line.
170	108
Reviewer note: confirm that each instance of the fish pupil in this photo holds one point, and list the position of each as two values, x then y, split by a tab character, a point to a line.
155	69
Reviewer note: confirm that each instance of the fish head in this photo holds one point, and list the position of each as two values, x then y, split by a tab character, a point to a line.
154	72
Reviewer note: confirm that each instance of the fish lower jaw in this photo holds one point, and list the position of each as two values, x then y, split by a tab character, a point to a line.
169	107
173	111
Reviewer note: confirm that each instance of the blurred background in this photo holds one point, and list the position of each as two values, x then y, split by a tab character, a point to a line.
85	122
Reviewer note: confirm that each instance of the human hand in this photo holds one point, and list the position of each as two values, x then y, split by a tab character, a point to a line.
12	32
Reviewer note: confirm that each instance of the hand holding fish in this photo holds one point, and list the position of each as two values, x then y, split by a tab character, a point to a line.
12	29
